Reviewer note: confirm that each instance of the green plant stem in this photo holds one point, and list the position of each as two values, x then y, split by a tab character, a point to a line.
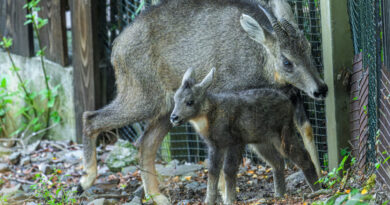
21	82
35	28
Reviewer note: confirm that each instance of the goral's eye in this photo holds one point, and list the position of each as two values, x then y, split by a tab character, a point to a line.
287	63
190	103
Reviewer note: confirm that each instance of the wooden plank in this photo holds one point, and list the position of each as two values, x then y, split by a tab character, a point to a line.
85	60
384	123
386	33
53	35
2	16
12	20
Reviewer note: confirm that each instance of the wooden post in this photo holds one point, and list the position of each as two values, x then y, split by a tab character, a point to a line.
337	57
53	35
12	18
386	33
85	59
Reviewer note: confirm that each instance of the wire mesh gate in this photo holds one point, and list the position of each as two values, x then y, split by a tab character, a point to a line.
366	34
182	142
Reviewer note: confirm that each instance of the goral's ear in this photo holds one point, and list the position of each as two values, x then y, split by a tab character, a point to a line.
188	78
254	30
206	82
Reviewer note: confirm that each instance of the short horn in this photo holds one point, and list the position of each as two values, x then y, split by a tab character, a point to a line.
287	26
280	33
270	17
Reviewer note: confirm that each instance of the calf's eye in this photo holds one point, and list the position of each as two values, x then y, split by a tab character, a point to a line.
190	103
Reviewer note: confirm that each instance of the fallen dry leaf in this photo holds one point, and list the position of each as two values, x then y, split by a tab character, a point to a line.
188	178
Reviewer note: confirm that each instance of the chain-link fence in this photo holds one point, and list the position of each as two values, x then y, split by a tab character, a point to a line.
366	35
182	142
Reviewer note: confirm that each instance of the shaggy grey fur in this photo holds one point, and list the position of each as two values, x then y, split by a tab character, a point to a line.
151	55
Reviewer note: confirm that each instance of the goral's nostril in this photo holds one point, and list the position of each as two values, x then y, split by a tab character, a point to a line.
174	117
324	90
321	92
316	94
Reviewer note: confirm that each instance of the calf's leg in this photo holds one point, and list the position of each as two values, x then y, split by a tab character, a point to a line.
231	164
292	149
270	155
305	129
215	164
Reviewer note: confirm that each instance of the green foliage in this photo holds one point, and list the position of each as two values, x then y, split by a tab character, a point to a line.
353	198
379	161
37	109
6	43
336	175
5	101
4	199
52	189
326	161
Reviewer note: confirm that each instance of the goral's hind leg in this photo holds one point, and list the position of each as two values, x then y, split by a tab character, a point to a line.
114	115
148	146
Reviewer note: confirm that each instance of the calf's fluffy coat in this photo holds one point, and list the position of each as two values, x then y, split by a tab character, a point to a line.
228	121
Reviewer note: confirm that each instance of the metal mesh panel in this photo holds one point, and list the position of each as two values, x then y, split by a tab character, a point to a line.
308	16
364	18
182	142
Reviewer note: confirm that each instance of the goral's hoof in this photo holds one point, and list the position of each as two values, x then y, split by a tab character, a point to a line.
80	189
160	199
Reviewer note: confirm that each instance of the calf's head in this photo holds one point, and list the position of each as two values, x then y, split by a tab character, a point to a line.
190	97
288	53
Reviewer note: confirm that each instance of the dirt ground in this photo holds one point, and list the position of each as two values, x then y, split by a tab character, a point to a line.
49	172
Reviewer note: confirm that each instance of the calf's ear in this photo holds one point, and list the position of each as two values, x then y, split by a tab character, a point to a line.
188	78
206	82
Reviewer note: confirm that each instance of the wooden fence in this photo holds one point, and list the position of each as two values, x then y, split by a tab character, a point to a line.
53	36
383	141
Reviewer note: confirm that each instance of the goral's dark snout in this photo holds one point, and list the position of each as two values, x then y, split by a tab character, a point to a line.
175	120
322	92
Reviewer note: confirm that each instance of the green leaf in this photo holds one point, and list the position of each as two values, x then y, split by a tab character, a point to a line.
51	102
15	68
36	9
355	98
37	127
387	158
41	52
7	42
55	117
28	22
3	83
42	23
2	112
377	165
